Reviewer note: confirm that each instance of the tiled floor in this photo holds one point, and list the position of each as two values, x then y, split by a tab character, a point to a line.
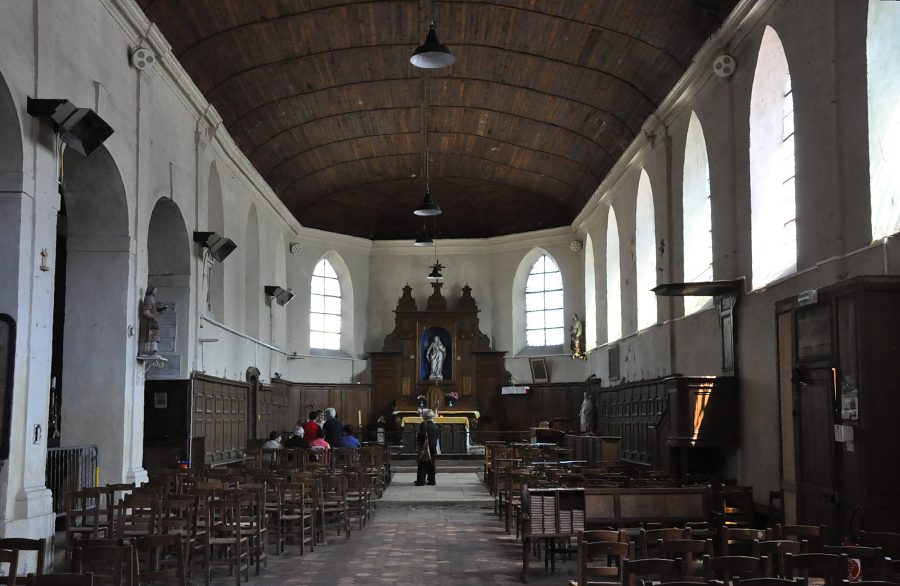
442	535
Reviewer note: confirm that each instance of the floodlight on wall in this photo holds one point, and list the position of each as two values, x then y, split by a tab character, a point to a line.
281	295
218	246
79	128
432	54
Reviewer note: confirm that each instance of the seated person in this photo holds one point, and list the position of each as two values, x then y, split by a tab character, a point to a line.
312	427
274	442
296	440
349	440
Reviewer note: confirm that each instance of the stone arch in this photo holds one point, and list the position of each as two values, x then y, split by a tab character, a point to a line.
253	288
613	280
518	294
169	269
590	295
773	210
347	298
94	341
696	205
11	173
215	210
645	253
883	80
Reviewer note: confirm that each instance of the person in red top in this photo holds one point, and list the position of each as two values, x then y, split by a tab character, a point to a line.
312	429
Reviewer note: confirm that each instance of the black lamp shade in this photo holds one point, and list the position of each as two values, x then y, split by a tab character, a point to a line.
428	207
279	294
432	55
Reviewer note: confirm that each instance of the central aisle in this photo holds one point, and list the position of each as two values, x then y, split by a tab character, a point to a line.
419	535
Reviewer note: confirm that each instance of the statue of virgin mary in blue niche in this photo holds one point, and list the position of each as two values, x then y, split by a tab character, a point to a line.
436	350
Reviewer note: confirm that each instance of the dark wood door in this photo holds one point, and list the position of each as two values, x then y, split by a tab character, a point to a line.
816	458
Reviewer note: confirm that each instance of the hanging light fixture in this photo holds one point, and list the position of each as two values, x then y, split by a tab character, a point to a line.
435	275
423	239
427	207
432	54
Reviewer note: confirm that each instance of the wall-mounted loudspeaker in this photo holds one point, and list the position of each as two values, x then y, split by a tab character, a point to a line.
724	65
142	58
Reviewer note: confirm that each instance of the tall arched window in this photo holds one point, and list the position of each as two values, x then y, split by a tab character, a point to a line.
325	308
590	295
645	253
773	210
613	280
544	320
883	78
697	214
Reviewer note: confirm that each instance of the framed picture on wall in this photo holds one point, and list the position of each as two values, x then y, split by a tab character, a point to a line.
539	370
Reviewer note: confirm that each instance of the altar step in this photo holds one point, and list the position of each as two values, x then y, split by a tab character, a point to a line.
455	463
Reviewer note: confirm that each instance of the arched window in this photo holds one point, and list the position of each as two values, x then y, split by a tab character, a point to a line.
645	253
697	214
544	320
883	77
773	210
325	308
590	295
613	280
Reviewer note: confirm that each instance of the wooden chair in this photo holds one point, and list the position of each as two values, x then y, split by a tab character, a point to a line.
831	568
223	543
689	551
334	502
649	538
297	522
604	559
60	579
890	543
739	540
730	567
813	534
84	509
649	570
775	550
161	559
255	521
112	565
11	558
178	516
357	494
23	545
137	515
872	562
113	493
736	506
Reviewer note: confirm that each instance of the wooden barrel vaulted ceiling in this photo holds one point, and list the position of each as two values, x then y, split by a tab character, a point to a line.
544	97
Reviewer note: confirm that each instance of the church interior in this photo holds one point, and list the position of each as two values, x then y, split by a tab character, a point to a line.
638	261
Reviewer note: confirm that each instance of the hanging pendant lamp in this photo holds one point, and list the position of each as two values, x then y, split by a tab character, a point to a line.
423	239
432	55
428	207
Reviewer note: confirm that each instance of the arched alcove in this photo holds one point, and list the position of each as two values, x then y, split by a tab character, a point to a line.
773	209
169	270
10	182
613	280
883	79
590	295
645	253
253	288
696	206
93	349
215	292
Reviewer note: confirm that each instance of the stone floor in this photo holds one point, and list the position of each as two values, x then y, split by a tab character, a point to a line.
435	535
418	535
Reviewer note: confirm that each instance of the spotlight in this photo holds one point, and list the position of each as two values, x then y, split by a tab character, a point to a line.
282	296
80	128
219	246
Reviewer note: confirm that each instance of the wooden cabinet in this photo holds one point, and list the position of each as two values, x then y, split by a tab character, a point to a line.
838	378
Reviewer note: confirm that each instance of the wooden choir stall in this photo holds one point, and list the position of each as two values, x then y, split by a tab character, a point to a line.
437	358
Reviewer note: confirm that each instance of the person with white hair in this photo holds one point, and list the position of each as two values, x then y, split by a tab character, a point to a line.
333	429
429	431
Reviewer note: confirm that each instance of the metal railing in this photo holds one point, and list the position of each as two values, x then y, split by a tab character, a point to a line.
71	469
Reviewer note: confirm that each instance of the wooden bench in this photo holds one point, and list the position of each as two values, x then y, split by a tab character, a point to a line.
633	507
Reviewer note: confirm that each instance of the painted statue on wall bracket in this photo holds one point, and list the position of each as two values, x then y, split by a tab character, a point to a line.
148	338
576	338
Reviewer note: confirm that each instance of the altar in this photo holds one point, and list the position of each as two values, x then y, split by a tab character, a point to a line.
454	426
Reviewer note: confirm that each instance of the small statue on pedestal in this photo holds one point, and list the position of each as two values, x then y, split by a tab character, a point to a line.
586	416
576	338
